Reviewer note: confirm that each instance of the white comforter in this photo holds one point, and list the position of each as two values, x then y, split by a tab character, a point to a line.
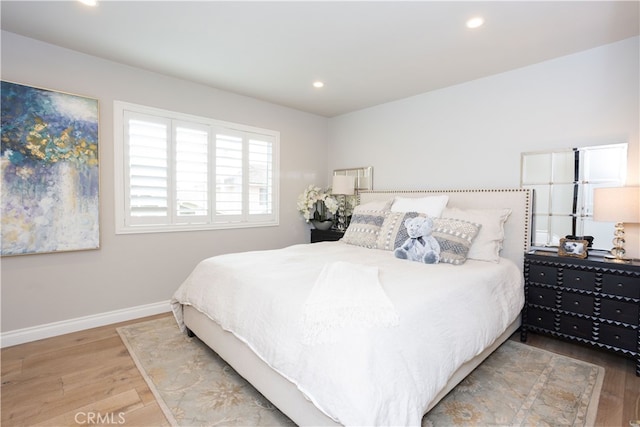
382	375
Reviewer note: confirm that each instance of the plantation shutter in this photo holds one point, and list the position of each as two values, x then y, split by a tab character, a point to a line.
179	172
260	176
229	176
148	143
191	173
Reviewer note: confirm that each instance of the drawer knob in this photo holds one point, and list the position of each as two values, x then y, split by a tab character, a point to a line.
539	319
541	274
575	327
576	303
618	311
617	337
619	285
540	297
577	279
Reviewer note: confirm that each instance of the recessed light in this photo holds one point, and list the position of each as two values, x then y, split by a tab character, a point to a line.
475	22
89	2
318	84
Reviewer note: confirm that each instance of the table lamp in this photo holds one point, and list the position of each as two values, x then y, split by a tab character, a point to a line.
342	186
620	205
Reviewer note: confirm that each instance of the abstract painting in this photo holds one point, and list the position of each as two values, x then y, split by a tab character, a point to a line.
49	171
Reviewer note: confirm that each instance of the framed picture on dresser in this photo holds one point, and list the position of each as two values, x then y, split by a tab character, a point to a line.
573	248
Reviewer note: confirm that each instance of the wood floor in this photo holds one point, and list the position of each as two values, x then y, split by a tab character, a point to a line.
88	378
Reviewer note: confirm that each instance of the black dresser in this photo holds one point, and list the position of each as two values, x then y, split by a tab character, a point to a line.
591	301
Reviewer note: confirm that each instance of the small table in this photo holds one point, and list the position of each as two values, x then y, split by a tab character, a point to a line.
325	235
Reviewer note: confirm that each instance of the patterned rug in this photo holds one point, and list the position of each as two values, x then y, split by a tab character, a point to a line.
518	385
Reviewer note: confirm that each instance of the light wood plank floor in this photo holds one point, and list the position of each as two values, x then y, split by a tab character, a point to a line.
67	380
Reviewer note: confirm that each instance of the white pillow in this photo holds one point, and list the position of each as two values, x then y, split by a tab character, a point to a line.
376	205
488	242
431	205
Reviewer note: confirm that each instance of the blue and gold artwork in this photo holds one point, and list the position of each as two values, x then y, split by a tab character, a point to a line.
49	167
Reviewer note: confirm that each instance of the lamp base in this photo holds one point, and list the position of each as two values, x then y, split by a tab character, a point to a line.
611	258
618	252
342	216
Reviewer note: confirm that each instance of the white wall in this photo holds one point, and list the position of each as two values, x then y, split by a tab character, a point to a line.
133	270
471	135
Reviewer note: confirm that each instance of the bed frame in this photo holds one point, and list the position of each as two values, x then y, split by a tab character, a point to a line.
283	393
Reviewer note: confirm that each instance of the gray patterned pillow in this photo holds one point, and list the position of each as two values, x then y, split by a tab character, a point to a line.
455	238
393	233
364	228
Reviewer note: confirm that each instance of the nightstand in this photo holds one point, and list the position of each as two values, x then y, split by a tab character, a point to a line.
591	301
325	235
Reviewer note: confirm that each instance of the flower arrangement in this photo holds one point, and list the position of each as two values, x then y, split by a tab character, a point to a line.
316	204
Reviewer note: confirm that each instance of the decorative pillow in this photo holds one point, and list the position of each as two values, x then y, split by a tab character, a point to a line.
431	206
376	205
393	233
488	243
455	238
364	228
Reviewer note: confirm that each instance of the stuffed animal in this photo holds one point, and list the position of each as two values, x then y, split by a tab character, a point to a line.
421	245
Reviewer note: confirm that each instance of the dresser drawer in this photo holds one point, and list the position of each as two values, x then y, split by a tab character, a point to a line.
620	311
623	286
542	296
542	274
579	279
576	327
619	337
540	318
575	303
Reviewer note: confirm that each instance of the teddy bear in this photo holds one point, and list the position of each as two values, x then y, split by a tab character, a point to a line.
421	245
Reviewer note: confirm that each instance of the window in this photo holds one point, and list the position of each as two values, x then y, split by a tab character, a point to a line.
178	172
563	182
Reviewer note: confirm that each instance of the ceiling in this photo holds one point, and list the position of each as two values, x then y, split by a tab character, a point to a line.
366	53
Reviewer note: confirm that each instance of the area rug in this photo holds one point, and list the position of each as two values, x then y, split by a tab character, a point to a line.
518	385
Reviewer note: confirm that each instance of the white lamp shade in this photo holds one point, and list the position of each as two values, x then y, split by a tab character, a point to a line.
619	204
343	184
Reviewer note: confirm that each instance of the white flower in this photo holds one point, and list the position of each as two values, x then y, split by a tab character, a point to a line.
315	200
331	203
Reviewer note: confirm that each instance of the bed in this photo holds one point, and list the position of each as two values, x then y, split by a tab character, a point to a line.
421	329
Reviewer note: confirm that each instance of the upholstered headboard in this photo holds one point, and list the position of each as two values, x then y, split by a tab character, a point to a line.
516	229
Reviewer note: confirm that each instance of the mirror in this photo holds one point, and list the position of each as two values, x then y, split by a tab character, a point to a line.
563	183
363	177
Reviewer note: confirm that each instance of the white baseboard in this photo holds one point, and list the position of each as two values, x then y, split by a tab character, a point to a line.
20	336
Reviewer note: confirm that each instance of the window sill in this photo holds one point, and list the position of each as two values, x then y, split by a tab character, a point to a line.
143	229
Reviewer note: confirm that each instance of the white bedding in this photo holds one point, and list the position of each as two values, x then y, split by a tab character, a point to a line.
381	375
345	297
